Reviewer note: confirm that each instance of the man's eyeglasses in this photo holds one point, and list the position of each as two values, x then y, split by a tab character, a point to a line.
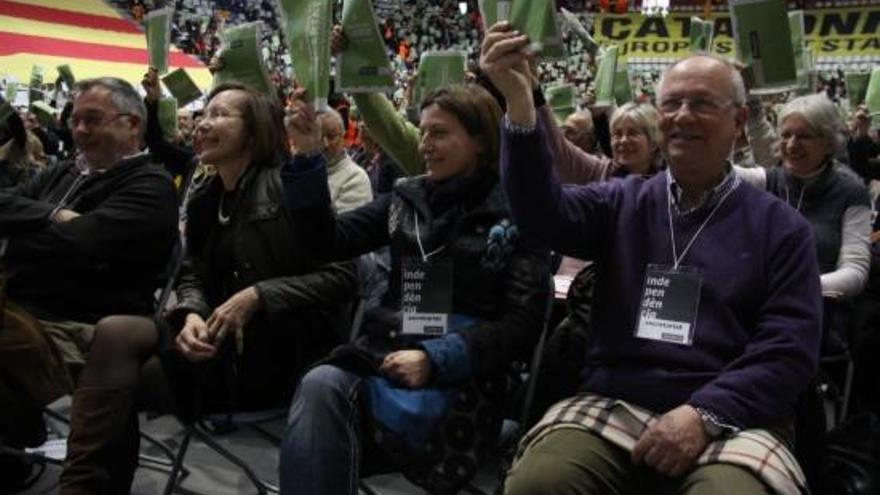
705	107
92	120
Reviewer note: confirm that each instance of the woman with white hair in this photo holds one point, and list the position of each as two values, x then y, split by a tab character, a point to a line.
829	194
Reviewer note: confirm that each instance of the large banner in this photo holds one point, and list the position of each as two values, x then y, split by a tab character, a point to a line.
828	33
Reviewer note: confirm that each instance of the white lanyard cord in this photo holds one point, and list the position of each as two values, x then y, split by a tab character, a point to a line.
800	199
427	256
676	259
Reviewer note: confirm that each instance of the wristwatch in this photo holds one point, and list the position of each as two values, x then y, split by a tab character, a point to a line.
714	427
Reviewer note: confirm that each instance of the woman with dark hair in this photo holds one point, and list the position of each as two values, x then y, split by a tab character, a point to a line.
253	309
466	298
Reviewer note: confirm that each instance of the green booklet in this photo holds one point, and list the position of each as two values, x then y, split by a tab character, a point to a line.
605	75
437	69
308	24
182	87
167	113
66	75
494	11
701	35
872	97
45	113
241	60
562	101
12	90
157	25
763	41
364	66
623	92
575	26
35	89
857	87
537	18
5	111
802	59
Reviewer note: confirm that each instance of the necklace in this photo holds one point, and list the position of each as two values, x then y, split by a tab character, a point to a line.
221	218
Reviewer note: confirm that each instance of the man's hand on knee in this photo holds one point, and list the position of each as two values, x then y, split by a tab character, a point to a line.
673	442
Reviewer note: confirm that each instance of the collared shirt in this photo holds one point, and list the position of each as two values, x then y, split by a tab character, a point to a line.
708	199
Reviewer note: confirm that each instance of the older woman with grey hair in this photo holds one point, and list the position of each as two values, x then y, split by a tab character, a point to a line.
829	194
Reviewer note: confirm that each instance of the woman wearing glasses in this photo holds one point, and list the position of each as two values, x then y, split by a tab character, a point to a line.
253	309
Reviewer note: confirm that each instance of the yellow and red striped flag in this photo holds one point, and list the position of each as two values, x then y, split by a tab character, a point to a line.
88	35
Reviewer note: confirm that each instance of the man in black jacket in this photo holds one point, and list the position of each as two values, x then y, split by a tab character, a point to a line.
83	239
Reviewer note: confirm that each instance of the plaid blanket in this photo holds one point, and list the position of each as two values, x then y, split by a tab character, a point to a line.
622	424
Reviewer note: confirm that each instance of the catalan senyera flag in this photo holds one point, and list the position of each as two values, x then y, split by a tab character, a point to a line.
88	35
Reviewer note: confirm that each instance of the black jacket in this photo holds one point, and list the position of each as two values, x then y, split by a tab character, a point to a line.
104	262
304	306
503	283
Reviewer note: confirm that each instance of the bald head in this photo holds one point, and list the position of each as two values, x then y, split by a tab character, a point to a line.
726	71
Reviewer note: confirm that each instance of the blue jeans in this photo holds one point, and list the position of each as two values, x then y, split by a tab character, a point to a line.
320	453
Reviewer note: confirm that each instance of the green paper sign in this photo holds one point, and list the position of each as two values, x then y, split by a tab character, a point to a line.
12	90
157	25
872	96
182	87
35	90
701	35
763	41
622	88
605	75
562	101
438	69
44	112
364	66
857	87
66	75
241	60
308	24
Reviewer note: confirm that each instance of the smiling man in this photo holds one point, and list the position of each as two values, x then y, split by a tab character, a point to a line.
706	312
82	239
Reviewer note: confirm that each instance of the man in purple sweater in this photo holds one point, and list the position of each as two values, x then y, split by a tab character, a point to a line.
707	308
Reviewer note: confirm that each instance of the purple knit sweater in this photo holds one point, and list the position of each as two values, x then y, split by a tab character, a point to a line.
757	334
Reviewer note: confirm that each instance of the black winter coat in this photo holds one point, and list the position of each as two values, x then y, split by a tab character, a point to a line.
104	262
304	308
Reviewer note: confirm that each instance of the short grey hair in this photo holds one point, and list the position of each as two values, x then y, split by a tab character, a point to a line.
643	115
822	116
738	85
330	113
123	96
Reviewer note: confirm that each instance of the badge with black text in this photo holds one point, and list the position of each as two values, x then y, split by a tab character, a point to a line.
670	298
426	296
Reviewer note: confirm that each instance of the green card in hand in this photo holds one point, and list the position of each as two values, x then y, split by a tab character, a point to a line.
364	66
561	100
308	24
242	60
605	75
182	87
158	30
66	75
763	41
438	69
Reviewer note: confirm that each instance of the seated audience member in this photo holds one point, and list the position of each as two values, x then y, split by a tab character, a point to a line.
349	184
707	305
80	240
253	309
21	153
827	193
381	169
455	255
864	151
578	128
